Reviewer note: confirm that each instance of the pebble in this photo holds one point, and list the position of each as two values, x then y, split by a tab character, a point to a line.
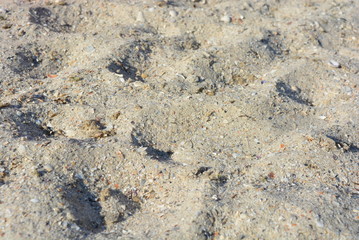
60	2
75	227
319	221
140	17
193	79
334	64
65	223
48	168
21	149
79	176
226	19
138	84
295	89
56	210
90	49
348	90
173	13
70	216
34	200
215	197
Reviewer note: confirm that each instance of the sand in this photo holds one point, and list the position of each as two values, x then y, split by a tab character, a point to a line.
129	119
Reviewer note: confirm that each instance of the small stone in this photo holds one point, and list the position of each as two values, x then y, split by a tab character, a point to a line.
122	79
193	79
79	176
334	64
140	17
48	168
105	194
173	13
215	197
211	92
144	75
116	115
75	227
348	90
7	26
56	210
21	149
60	2
226	19
70	216
295	89
138	107
319	222
4	105
34	200
90	49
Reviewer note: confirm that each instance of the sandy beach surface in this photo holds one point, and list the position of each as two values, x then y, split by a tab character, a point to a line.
186	119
